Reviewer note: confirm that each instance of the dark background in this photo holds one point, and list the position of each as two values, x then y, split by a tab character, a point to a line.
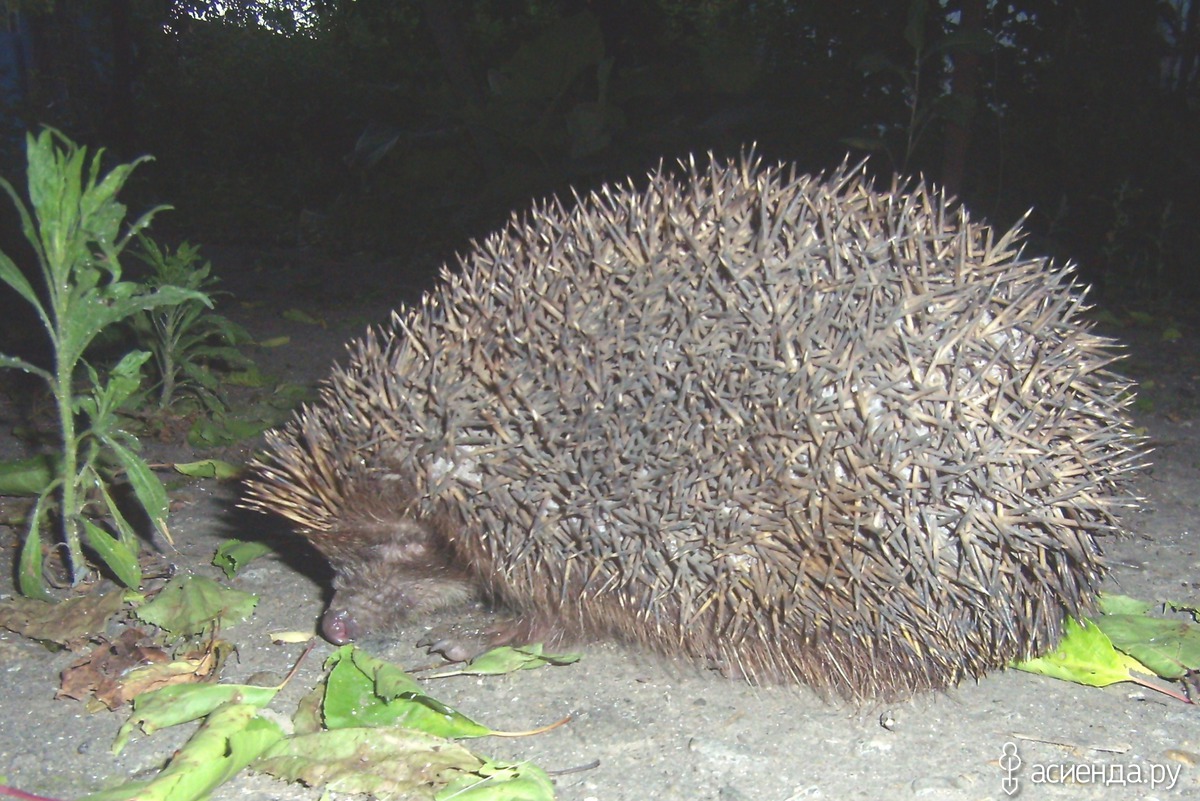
397	127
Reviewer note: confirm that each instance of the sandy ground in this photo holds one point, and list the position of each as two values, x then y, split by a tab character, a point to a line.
641	728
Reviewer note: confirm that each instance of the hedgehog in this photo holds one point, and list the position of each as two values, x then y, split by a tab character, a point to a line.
791	425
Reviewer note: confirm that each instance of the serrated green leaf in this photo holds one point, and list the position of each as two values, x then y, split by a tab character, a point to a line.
125	377
95	310
190	605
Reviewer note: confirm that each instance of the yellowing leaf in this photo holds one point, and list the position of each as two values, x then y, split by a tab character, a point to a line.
387	763
1085	656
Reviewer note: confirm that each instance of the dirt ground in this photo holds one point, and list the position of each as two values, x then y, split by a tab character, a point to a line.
641	728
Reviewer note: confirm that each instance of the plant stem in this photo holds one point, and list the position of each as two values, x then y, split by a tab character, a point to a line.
64	395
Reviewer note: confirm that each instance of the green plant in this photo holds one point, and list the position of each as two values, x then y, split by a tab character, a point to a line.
923	109
75	230
186	339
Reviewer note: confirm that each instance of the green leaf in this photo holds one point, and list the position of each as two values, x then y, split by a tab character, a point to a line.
1169	648
125	377
143	222
231	738
21	364
500	782
1114	604
97	309
208	468
507	659
226	430
28	476
115	554
1085	656
233	555
182	703
190	605
150	492
387	763
29	568
249	377
12	275
126	535
29	230
364	691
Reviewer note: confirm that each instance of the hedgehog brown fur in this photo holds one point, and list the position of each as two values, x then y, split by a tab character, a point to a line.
805	428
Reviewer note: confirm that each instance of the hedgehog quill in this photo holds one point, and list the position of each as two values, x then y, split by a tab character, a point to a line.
795	426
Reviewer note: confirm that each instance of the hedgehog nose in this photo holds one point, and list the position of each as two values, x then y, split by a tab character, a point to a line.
338	626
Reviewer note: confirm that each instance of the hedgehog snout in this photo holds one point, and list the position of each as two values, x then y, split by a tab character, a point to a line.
339	626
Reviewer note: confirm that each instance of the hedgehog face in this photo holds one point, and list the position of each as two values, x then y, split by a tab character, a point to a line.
396	579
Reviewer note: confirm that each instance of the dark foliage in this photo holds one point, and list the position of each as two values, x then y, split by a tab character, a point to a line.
414	124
